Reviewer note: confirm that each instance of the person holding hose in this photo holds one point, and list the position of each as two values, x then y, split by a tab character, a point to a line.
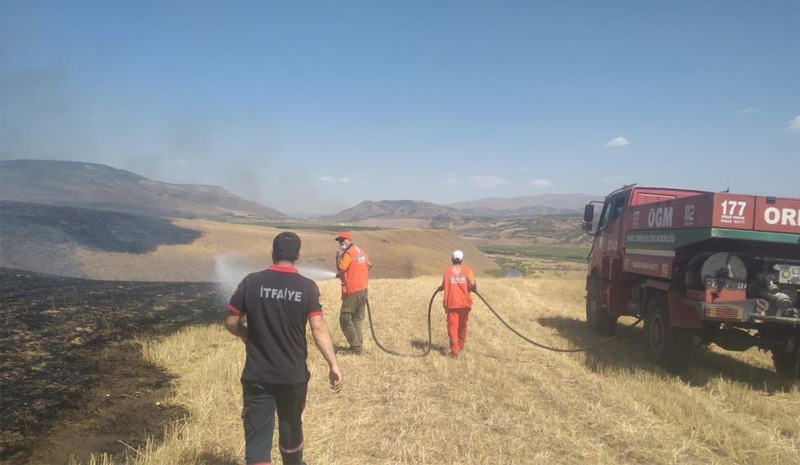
269	311
457	284
352	265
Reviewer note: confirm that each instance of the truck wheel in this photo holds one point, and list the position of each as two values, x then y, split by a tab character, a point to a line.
664	344
786	363
597	317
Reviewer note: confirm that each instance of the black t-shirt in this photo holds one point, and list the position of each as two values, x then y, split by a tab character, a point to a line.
277	301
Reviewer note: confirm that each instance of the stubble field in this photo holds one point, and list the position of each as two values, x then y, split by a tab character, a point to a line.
502	401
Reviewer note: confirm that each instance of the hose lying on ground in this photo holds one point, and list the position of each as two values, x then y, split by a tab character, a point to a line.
526	339
554	349
391	352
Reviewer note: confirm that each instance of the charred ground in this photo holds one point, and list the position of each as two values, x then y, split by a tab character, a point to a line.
69	342
41	237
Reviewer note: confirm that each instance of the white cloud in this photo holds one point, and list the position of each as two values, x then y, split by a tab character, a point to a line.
332	179
540	183
183	162
488	181
618	142
451	181
794	124
746	111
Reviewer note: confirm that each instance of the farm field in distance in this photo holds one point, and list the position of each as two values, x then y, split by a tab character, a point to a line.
305	226
532	259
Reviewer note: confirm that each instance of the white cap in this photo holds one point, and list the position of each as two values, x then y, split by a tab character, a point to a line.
458	255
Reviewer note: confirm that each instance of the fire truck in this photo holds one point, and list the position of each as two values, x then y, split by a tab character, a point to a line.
699	268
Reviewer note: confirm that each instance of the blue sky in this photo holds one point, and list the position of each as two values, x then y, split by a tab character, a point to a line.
311	107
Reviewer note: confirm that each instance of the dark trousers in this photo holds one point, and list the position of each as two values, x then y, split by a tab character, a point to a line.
351	316
261	401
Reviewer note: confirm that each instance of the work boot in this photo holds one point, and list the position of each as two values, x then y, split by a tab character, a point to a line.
357	350
295	458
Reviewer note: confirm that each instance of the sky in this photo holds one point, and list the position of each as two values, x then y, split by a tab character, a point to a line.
311	107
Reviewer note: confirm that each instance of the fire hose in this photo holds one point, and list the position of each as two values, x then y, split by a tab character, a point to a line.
522	336
391	352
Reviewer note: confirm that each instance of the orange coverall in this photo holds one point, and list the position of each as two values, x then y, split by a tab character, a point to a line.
458	282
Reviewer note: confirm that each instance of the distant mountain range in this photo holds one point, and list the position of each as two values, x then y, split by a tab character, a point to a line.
395	209
531	205
548	218
90	185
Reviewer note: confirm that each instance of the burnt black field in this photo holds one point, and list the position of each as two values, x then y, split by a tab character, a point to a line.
73	379
41	237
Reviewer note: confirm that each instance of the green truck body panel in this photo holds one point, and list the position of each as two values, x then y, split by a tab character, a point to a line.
671	239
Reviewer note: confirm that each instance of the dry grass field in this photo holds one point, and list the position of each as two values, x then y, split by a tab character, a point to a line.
395	253
502	402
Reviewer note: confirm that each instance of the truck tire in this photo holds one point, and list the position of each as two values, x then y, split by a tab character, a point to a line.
665	345
786	363
597	317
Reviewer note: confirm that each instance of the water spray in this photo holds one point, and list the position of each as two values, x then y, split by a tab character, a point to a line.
316	273
229	272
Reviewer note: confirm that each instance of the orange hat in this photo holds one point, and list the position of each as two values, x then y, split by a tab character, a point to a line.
344	235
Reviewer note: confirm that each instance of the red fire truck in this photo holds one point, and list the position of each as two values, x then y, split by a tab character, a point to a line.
699	267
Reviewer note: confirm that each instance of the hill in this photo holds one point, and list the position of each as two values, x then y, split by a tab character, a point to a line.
543	204
91	185
536	229
111	245
398	213
547	218
226	252
44	238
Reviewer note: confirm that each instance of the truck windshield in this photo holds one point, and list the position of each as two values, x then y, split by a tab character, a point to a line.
613	209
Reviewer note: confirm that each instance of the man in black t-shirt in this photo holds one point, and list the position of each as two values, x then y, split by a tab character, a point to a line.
275	304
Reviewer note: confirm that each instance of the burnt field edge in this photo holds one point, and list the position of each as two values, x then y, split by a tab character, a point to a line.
73	380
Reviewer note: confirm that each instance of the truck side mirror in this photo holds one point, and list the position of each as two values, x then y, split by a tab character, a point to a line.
588	213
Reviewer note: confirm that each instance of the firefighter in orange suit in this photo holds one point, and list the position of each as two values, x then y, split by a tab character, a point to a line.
353	267
458	283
